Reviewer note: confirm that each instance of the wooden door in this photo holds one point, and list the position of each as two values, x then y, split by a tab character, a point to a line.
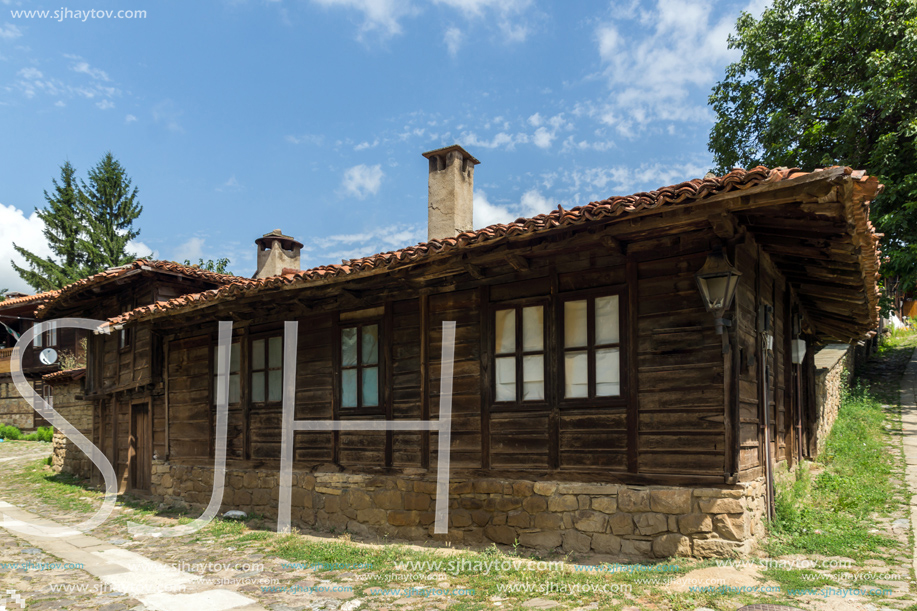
140	453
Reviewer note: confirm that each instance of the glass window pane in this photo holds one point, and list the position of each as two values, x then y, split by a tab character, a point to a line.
606	320
235	388
234	352
37	341
533	378
576	375
506	379
275	385
258	387
258	354
275	352
506	331
370	386
608	372
533	328
575	324
349	347
349	388
370	344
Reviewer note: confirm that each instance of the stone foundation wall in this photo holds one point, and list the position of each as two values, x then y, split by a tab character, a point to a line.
833	368
14	410
639	522
66	456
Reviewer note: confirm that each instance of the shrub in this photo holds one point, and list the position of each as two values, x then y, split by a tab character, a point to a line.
43	433
9	432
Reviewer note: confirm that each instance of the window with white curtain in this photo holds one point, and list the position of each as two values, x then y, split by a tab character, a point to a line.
591	347
235	373
519	352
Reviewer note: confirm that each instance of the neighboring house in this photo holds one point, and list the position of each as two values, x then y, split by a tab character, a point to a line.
596	404
17	315
123	389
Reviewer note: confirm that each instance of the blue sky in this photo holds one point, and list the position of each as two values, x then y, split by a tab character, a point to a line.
238	117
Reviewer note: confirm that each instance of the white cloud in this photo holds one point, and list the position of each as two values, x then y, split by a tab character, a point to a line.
591	184
230	185
130	119
9	32
536	120
508	15
453	39
30	73
366	145
95	73
305	139
362	180
26	232
654	58
543	138
167	113
379	16
502	139
531	204
192	250
105	104
141	250
334	248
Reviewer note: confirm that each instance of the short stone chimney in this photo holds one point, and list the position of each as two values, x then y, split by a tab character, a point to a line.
450	210
276	252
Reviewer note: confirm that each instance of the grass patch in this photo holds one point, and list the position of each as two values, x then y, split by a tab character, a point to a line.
60	490
830	512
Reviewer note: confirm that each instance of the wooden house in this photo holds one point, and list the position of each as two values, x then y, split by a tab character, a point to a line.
605	398
122	387
17	315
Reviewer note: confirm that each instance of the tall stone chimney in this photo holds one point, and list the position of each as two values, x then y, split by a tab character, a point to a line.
276	252
450	210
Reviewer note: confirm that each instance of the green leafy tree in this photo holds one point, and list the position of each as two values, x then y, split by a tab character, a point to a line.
108	206
219	266
3	294
63	230
825	83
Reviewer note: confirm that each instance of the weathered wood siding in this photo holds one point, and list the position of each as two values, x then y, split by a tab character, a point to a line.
670	419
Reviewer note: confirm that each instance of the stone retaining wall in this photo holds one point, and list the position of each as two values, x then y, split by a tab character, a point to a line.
66	456
833	368
638	522
14	410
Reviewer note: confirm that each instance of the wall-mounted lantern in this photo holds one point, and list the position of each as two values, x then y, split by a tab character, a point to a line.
717	281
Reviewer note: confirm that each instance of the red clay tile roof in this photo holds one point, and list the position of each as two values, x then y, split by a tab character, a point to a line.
36	299
137	266
682	193
66	374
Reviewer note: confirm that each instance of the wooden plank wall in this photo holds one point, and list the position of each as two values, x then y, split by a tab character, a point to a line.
675	424
680	372
746	314
189	398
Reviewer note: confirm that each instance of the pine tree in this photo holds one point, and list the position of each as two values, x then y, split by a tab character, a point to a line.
87	226
63	229
108	207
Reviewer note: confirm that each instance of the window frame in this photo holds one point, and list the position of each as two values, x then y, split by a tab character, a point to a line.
249	370
590	296
339	368
518	305
236	341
